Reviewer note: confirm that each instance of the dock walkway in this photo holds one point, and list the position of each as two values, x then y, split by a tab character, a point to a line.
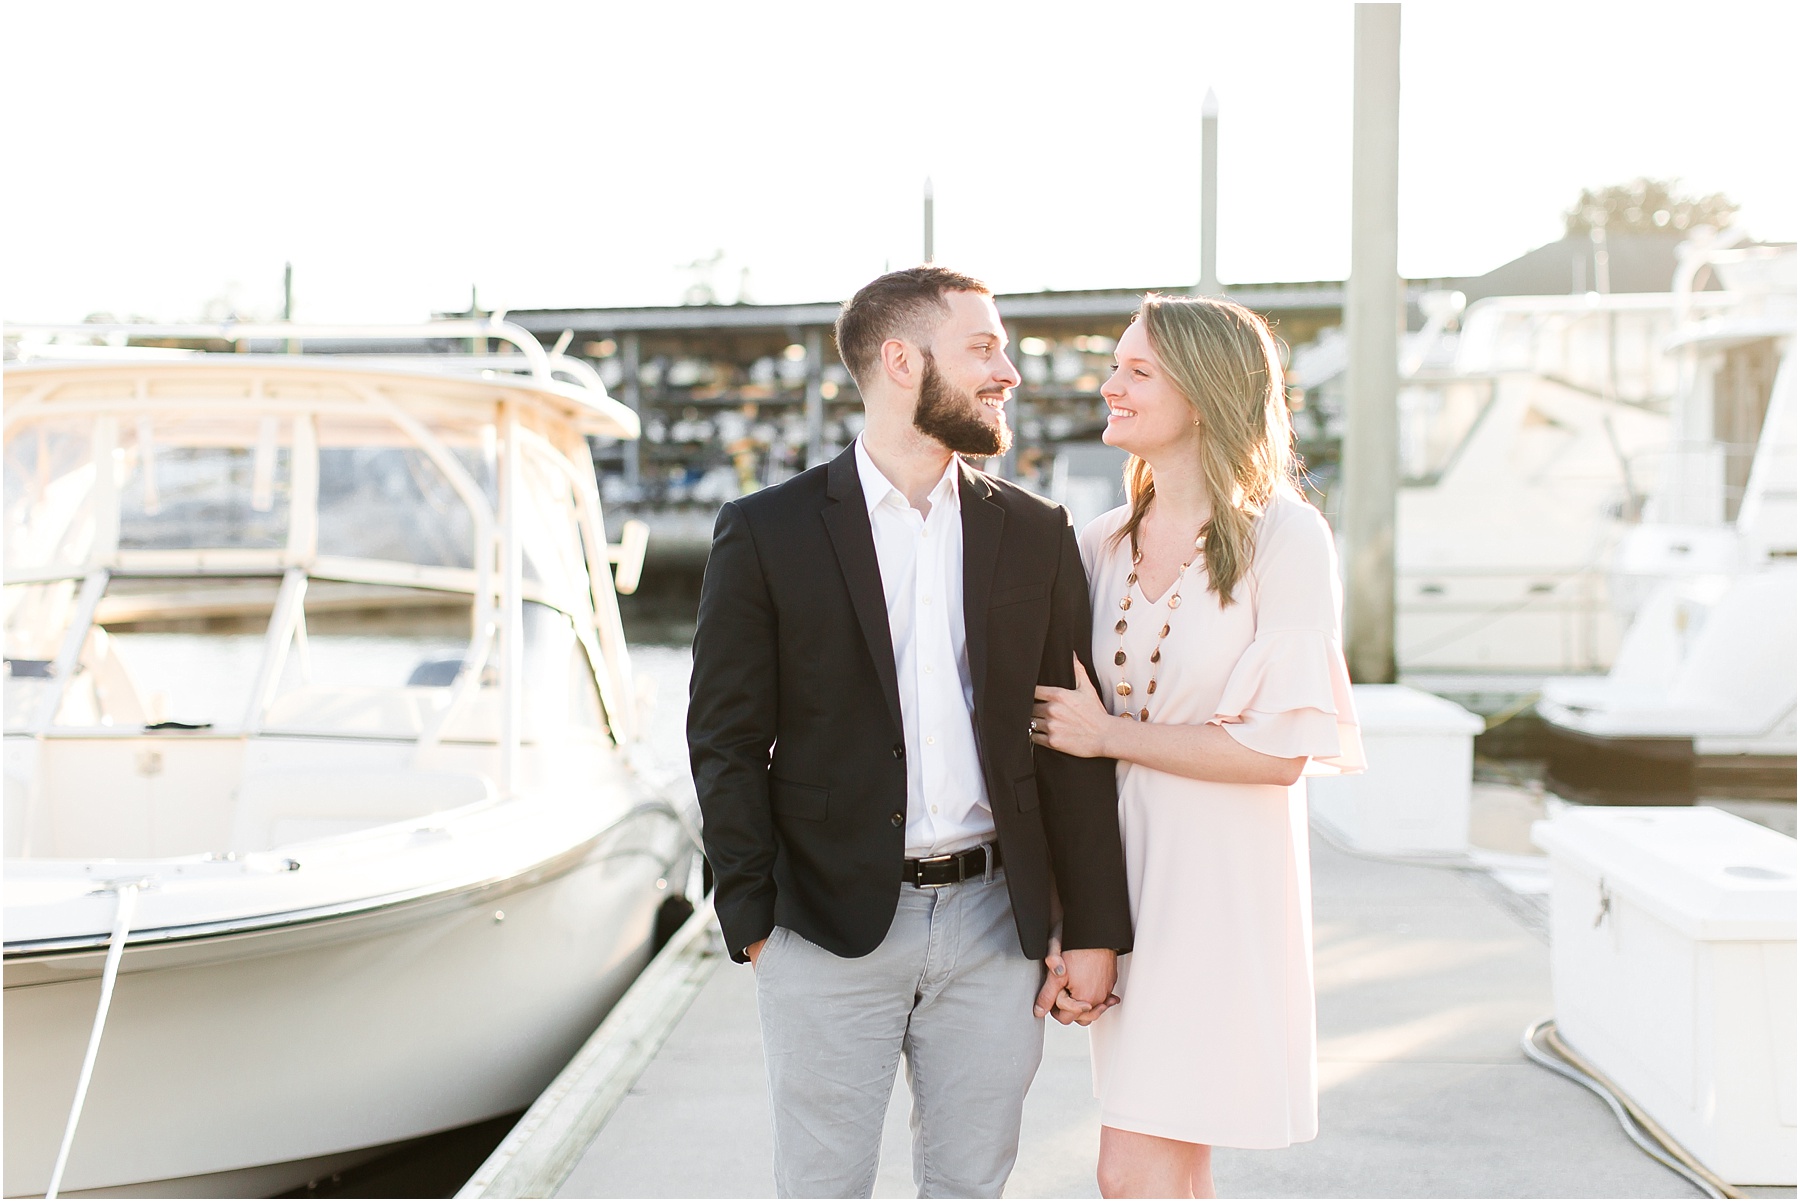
1426	979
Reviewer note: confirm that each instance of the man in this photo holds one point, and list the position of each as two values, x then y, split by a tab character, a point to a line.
889	848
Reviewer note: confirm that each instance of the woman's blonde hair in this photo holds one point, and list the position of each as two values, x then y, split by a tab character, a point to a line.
1223	360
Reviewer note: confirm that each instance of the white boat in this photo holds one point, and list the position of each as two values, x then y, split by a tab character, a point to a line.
1701	696
1517	456
319	711
1535	436
1519	420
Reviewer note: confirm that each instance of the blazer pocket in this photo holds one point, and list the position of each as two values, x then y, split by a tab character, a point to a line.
797	800
1025	794
1012	596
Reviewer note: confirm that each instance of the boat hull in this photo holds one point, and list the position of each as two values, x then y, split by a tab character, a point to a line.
282	1049
1657	771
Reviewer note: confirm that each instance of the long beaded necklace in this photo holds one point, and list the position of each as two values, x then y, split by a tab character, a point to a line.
1173	601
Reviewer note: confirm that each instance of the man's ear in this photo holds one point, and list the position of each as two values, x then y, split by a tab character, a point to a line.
899	360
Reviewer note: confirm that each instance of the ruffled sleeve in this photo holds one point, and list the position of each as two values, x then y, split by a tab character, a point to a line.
1289	694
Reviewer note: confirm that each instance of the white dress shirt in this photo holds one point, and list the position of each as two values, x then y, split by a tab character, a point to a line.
921	558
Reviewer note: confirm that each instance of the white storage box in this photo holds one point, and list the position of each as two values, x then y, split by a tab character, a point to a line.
1672	963
1415	795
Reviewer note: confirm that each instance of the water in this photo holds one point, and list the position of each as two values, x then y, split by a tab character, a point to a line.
434	1167
666	717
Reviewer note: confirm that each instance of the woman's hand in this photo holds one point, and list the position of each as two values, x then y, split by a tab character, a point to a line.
1073	721
1054	998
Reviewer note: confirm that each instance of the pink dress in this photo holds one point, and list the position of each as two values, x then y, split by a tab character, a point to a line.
1215	1042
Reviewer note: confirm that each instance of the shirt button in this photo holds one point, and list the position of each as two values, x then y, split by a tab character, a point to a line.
934	809
931	740
928	669
927	601
897	818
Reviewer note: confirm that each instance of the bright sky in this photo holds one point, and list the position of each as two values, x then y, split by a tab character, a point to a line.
164	155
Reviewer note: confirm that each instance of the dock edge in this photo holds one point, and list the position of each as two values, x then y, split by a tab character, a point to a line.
542	1149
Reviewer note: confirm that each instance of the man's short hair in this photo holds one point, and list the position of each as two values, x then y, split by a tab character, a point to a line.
900	304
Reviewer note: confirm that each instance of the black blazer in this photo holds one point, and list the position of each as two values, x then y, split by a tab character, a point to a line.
794	717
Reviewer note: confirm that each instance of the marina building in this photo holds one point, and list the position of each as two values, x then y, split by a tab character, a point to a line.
737	397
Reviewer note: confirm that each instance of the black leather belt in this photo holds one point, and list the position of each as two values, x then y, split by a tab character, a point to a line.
934	872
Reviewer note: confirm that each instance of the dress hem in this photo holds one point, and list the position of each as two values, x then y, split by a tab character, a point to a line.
1164	1130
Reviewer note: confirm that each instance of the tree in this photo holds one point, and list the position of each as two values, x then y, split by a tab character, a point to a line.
1646	206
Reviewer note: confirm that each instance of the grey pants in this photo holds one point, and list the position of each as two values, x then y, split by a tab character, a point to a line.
950	990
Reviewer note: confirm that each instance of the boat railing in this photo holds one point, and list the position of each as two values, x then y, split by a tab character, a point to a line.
31	341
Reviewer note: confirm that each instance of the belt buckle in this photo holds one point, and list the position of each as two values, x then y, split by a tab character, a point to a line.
947	858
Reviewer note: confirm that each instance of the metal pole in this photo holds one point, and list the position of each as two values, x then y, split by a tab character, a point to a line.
930	220
815	397
1209	195
287	303
1007	466
1603	284
512	617
630	392
1372	319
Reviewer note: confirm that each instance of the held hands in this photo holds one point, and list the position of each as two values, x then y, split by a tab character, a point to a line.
1078	986
1073	721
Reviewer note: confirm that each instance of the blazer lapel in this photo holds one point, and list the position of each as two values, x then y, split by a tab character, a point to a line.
847	521
982	521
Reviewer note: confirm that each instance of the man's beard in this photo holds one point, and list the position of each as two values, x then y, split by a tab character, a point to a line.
954	418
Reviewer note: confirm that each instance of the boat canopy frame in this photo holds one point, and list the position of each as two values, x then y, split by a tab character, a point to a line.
529	416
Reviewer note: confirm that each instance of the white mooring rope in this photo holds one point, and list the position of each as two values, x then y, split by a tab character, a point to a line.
109	976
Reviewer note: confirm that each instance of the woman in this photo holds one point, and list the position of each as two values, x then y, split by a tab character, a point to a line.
1222	673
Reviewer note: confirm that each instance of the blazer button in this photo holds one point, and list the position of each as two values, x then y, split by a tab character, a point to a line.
899	751
897	818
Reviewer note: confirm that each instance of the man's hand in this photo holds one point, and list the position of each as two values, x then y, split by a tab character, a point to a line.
1056	976
1093	971
755	950
1099	967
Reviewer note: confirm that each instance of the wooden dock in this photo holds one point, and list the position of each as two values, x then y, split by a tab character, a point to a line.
1427	978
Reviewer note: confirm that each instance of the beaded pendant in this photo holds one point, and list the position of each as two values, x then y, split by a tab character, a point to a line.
1173	602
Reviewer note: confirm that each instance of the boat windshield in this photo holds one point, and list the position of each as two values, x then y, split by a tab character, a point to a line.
276	560
1435	418
195	653
204	481
369	467
50	512
228	482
